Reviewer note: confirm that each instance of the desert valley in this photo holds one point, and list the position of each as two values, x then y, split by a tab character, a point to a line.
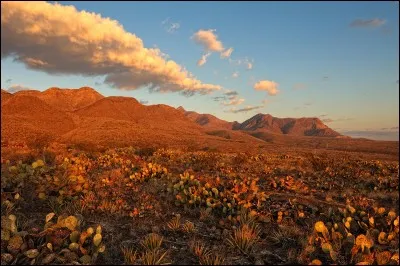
279	146
83	155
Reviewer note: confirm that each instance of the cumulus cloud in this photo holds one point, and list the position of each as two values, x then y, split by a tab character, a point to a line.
227	53
246	109
367	23
170	26
60	39
17	87
271	87
208	40
235	74
144	102
203	59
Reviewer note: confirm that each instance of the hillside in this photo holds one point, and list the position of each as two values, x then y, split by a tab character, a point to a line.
24	117
207	120
5	95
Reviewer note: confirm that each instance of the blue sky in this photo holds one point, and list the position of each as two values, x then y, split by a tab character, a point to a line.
335	60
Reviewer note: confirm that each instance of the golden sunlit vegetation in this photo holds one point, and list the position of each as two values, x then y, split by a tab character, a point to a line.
148	206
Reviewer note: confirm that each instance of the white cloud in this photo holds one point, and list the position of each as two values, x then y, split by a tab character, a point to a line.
55	38
17	87
368	23
170	26
246	109
235	74
227	53
248	64
210	43
203	59
269	86
208	40
234	101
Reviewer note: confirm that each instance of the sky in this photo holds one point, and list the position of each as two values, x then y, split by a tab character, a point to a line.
338	61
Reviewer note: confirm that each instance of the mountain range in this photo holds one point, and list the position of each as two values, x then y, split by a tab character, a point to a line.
85	116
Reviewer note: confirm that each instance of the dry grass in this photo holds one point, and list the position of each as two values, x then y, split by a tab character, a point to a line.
244	238
152	242
175	223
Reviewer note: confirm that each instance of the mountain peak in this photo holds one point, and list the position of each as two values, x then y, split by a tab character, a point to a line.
180	108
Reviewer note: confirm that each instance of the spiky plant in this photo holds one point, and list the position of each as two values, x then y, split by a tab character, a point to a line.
198	248
154	257
188	227
175	223
244	238
152	241
130	255
246	218
211	259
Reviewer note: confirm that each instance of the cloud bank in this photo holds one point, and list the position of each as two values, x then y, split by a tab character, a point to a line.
60	39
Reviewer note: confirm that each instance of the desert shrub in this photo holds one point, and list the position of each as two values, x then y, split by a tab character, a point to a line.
40	142
145	152
86	147
320	163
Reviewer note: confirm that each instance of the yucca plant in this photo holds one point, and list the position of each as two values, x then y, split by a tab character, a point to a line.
188	227
130	255
211	259
175	223
198	248
244	238
152	241
154	257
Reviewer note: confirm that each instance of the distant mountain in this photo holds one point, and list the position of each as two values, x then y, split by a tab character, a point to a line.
268	124
85	116
207	120
287	126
